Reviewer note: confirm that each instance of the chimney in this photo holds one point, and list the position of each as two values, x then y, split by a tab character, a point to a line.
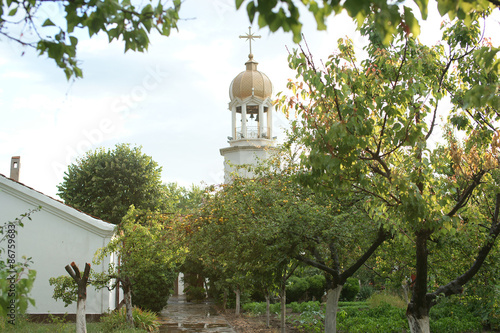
15	165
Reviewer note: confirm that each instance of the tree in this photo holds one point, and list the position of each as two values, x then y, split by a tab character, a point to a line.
81	282
148	245
105	183
231	217
271	221
387	15
371	127
29	24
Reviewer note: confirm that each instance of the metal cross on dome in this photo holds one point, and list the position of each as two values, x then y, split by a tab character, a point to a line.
249	37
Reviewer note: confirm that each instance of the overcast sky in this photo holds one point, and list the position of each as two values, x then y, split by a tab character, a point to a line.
172	100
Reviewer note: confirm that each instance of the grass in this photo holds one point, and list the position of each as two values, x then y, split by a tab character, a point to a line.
22	325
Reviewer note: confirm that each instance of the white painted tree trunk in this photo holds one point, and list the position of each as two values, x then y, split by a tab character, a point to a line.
418	325
268	311
238	294
81	323
128	306
332	305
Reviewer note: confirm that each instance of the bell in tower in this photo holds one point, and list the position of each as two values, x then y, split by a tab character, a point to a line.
251	109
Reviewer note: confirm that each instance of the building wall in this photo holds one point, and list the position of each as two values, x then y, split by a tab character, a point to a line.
239	155
56	236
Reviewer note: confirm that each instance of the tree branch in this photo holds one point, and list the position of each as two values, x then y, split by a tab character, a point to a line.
315	264
381	237
455	286
476	179
402	63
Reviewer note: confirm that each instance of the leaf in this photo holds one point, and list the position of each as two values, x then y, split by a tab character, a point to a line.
251	10
48	23
423	6
411	22
13	11
239	3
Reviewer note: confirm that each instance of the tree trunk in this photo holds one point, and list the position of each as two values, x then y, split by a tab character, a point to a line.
406	292
332	305
268	311
417	311
283	306
81	322
127	293
224	299
418	325
81	281
238	294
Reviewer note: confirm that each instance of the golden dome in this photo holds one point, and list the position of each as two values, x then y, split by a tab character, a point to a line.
251	82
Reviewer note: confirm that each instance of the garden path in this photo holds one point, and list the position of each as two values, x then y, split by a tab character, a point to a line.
183	316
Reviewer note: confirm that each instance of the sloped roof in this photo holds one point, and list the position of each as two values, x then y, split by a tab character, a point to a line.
56	207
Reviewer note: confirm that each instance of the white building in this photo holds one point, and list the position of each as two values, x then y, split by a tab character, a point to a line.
56	236
251	109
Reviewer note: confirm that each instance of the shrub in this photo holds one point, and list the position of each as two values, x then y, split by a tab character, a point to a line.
195	293
450	315
365	292
381	298
259	308
350	290
296	288
310	321
256	308
275	308
317	286
304	306
117	320
383	318
152	289
484	302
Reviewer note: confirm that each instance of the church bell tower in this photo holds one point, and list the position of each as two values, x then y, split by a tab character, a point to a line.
251	107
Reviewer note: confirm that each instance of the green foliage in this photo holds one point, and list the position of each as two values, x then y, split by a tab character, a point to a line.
16	282
296	288
105	183
473	310
310	320
271	221
383	318
350	289
150	248
365	292
259	308
304	306
23	325
380	298
370	126
317	286
16	277
152	289
195	293
449	316
185	200
377	315
256	308
55	35
143	319
387	15
65	289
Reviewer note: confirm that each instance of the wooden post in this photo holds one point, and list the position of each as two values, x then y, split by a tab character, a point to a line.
81	281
